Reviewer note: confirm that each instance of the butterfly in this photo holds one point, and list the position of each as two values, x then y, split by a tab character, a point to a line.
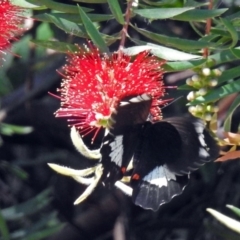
162	154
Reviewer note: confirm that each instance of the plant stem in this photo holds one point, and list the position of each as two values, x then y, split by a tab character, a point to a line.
125	27
208	28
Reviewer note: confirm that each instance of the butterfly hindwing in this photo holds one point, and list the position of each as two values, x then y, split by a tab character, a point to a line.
153	184
198	145
167	149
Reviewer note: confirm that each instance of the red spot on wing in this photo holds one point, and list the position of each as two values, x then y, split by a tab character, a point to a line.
136	176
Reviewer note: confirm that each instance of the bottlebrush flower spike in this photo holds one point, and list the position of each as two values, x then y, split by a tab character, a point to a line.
95	83
10	23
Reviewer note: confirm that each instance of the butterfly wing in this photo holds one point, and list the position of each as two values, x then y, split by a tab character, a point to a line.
198	145
175	146
119	144
153	184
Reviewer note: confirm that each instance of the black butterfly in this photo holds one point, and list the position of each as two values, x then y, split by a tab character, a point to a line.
161	152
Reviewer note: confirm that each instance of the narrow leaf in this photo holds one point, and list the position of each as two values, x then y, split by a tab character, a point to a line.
57	46
198	15
67	26
234	209
232	31
116	10
218	93
91	1
160	13
4	228
229	74
93	32
26	208
182	65
182	44
61	7
73	17
168	54
228	118
25	4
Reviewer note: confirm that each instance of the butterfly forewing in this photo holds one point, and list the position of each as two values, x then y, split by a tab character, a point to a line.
119	144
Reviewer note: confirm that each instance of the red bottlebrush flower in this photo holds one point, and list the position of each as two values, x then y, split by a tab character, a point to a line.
95	83
10	22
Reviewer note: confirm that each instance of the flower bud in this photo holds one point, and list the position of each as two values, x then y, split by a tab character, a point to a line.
195	78
189	82
206	72
191	96
215	109
209	108
213	83
208	117
200	108
202	92
217	72
192	110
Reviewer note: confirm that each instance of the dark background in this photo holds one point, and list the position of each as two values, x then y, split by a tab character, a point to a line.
105	214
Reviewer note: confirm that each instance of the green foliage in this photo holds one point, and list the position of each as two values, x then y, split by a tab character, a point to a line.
147	32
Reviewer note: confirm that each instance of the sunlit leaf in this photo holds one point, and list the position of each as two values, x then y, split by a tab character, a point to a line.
218	93
179	43
161	52
116	10
199	14
93	32
161	13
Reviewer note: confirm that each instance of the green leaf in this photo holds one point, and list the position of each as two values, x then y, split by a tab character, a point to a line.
218	93
61	7
91	1
186	87
73	17
183	44
4	228
198	15
27	208
232	31
228	118
235	52
116	10
93	32
26	4
226	55
9	129
161	13
234	209
14	169
229	74
67	26
168	54
182	65
57	46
